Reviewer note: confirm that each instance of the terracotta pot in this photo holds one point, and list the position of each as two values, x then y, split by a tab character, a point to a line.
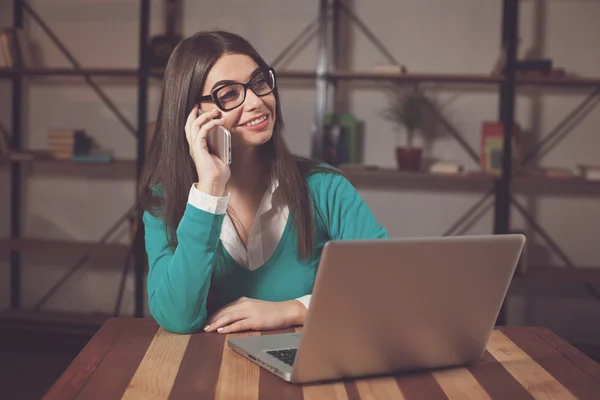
408	159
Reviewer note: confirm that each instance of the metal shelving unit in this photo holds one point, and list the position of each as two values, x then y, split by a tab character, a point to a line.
498	190
118	254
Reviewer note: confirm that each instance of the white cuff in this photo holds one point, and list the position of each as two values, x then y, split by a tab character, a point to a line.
305	300
206	202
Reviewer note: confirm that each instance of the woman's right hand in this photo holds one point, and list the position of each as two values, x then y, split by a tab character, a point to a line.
213	174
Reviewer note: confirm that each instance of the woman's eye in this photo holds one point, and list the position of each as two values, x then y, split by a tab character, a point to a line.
229	94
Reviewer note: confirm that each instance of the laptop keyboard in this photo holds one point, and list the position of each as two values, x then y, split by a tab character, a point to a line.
286	355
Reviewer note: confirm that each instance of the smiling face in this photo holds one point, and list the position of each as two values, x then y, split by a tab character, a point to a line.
251	124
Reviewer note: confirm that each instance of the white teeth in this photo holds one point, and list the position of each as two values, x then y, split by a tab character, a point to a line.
256	121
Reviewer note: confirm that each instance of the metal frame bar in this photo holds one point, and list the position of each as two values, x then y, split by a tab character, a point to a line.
457	136
507	113
334	61
309	30
467	214
365	29
560	131
138	242
538	228
81	262
15	179
502	189
322	82
15	260
111	106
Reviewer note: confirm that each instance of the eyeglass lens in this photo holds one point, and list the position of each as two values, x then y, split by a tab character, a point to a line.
233	95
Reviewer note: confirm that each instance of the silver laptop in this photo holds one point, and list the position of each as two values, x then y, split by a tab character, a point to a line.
385	306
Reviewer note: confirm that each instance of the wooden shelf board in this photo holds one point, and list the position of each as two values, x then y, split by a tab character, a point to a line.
557	81
560	275
123	72
106	251
561	186
392	178
417	77
341	74
118	168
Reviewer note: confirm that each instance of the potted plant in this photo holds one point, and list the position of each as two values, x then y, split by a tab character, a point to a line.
411	112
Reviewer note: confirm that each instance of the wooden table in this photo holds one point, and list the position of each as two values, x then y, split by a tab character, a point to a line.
135	359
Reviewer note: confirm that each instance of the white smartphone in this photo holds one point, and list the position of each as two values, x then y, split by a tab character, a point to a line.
218	141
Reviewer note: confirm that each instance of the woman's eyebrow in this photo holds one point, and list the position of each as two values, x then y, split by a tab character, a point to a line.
228	81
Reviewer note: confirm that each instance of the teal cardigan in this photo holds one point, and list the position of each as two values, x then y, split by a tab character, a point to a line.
179	281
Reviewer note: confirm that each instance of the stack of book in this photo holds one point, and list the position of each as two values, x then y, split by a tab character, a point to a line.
66	143
75	145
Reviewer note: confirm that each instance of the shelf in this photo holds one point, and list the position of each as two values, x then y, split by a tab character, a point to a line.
392	178
574	185
386	76
122	72
117	169
52	320
559	82
389	178
307	74
115	252
417	77
560	275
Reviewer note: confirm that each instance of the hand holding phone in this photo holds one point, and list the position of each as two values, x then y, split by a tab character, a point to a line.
218	142
212	165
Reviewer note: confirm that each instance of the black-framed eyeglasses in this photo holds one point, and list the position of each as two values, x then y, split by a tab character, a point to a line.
232	95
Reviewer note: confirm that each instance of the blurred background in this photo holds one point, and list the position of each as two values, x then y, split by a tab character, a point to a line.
412	99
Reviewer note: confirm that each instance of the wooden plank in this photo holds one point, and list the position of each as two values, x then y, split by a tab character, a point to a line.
70	383
325	391
570	352
199	369
420	385
238	376
156	373
459	383
99	251
351	390
379	388
541	364
525	369
496	380
111	378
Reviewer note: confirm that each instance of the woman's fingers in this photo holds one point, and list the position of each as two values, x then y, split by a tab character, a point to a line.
238	326
226	319
191	117
196	120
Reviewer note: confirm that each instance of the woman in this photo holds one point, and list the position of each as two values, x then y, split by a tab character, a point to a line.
250	234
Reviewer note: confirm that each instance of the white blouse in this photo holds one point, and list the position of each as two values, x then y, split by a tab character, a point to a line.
265	234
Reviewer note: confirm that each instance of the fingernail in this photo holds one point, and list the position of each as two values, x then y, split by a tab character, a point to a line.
207	327
220	330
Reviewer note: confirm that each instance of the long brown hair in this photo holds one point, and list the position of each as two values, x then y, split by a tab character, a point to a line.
169	171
